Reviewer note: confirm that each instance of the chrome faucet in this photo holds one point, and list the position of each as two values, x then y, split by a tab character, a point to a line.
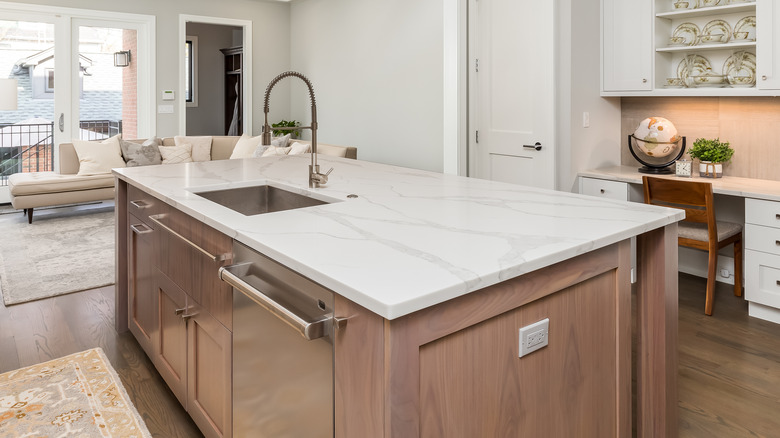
316	179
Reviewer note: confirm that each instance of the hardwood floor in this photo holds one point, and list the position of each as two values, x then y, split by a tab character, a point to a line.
42	330
729	383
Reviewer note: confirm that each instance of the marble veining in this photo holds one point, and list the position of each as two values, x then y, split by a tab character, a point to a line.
411	239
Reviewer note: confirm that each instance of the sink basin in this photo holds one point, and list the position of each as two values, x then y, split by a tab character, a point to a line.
253	200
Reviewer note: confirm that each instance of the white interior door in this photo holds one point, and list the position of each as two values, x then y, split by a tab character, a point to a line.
512	91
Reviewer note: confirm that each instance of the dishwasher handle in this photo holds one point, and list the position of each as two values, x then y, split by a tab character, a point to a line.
308	329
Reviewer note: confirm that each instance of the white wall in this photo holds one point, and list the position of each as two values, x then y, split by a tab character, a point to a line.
271	50
377	71
208	118
579	84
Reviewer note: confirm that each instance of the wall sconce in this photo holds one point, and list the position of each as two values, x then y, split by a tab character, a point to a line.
122	59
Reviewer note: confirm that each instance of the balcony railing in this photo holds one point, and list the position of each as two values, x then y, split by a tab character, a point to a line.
30	147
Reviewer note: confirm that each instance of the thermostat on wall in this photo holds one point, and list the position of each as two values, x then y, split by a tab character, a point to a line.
168	95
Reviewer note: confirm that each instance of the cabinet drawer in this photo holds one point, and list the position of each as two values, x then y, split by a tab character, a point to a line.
762	278
761	212
184	243
765	239
603	188
141	204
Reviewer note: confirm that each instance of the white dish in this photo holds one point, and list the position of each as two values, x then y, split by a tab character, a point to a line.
706	3
741	65
747	24
689	31
693	65
706	80
717	27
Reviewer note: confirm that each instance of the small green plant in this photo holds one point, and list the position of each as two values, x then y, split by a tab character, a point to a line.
286	124
711	150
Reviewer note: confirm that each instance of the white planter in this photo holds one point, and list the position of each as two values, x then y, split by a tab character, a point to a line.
708	169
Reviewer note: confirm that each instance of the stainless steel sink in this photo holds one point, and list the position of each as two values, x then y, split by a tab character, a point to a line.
253	200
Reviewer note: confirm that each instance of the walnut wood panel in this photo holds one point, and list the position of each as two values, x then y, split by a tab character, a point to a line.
748	123
120	293
209	387
142	205
171	345
403	338
193	271
473	384
358	382
657	327
142	296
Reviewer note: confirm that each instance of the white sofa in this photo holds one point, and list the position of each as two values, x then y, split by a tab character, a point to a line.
40	189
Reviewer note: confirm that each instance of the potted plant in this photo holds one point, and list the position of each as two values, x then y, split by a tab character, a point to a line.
286	124
711	154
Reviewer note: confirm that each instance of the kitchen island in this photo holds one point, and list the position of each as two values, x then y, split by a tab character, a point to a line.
435	274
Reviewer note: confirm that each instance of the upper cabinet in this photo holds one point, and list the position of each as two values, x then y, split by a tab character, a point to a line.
626	45
690	48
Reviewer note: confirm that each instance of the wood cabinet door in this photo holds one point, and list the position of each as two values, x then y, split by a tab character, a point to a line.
626	45
191	269
171	346
209	389
142	304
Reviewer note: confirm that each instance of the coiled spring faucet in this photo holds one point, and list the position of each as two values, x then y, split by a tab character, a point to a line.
316	179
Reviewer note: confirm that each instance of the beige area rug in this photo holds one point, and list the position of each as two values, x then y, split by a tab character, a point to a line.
55	255
78	395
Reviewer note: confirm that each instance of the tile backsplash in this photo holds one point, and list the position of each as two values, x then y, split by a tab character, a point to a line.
750	124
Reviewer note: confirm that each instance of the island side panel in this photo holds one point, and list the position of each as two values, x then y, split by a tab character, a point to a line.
657	325
623	354
359	372
120	287
591	277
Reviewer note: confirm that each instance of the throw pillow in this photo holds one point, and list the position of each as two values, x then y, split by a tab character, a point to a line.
260	150
273	150
98	157
201	146
247	147
144	154
176	154
299	148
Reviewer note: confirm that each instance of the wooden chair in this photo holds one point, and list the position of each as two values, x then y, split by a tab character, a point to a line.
699	230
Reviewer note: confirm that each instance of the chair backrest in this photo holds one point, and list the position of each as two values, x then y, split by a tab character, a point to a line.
693	197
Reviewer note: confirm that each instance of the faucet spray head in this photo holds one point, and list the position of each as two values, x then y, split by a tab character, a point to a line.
266	135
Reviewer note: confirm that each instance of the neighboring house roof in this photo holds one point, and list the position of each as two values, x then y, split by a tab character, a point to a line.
45	55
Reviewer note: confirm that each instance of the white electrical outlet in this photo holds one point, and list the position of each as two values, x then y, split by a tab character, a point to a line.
534	337
725	273
586	120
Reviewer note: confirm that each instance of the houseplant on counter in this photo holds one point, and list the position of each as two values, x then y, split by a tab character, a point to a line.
712	154
286	124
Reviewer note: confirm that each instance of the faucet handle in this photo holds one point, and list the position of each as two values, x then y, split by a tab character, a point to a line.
329	171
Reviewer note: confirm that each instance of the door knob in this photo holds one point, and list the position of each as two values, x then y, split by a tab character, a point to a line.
537	146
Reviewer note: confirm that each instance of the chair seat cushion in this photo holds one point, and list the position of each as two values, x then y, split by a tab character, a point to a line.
35	183
698	231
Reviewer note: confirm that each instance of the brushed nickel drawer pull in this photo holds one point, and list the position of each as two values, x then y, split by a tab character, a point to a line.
187	316
140	204
156	219
137	230
178	312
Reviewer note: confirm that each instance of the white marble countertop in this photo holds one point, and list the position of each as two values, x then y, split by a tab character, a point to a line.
727	185
411	239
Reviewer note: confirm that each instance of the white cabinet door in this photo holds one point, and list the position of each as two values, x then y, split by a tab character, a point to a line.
626	45
767	43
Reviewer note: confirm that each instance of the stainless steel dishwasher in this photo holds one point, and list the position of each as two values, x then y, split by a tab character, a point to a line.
282	350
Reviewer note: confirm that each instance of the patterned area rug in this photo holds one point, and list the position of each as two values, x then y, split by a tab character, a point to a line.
55	255
78	395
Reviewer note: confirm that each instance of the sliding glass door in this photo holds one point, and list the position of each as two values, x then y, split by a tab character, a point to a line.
78	74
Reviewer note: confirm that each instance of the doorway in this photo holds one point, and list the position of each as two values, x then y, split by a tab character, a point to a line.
61	62
512	91
216	71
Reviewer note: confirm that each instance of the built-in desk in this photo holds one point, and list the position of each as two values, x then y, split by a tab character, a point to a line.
761	200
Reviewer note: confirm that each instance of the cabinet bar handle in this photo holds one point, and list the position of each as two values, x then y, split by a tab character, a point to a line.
187	316
140	204
156	219
178	312
137	230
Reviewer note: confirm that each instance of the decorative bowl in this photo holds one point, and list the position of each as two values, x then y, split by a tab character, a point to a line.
681	5
741	81
706	80
741	36
713	38
677	41
674	83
